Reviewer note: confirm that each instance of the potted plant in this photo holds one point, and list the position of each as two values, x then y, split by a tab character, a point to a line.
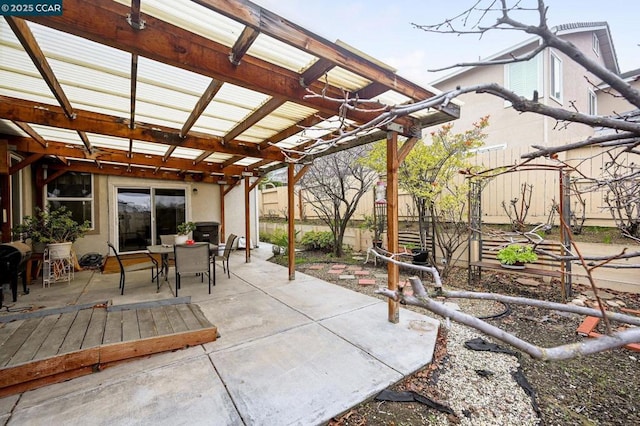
54	228
514	256
183	230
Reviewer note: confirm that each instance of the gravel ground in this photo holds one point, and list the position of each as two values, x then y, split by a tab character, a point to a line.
595	390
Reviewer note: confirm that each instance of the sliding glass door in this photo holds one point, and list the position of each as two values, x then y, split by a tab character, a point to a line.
146	213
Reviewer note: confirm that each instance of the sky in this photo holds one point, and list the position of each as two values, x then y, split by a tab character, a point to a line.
383	30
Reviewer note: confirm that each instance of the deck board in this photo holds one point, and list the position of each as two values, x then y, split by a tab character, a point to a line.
6	330
47	349
145	324
77	331
96	328
189	319
161	322
17	339
113	328
175	320
54	340
130	329
33	343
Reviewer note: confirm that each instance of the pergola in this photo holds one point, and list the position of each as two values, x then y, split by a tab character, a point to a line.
203	91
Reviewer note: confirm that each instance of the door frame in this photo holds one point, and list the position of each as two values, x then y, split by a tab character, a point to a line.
129	183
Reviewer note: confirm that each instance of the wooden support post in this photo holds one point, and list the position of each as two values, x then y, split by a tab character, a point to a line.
247	220
392	221
222	232
5	193
291	214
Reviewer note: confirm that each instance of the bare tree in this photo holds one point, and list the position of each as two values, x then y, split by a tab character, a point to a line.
334	186
517	213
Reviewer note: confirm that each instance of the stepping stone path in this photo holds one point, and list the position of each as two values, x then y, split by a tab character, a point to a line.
364	277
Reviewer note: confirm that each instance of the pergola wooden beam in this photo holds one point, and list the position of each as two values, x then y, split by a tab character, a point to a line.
24	163
31	132
52	115
316	70
30	45
201	105
134	171
242	44
111	155
85	140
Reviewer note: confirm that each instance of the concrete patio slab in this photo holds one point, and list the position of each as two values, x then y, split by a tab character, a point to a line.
276	381
247	317
366	327
182	392
319	299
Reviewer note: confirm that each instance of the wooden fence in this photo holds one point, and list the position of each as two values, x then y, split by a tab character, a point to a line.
546	190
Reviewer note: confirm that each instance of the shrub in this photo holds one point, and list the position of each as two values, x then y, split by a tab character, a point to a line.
318	240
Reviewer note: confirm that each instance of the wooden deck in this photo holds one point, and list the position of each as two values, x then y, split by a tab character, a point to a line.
49	346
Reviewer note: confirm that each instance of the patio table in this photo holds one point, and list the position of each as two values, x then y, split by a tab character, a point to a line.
165	249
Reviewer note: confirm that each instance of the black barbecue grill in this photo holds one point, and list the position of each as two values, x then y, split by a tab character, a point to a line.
13	262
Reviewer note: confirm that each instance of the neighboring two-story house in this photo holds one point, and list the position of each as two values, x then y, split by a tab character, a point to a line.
557	81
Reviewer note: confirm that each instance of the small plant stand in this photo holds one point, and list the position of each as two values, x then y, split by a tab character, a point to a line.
56	269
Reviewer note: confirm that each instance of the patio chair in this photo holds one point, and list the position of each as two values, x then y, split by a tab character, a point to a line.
224	258
192	259
168	240
151	263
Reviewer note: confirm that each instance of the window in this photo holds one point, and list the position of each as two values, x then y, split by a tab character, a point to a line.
596	44
75	192
523	78
555	77
592	103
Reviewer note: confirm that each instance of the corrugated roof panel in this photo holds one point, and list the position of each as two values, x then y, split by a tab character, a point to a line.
25	87
17	72
66	47
294	111
188	153
239	96
213	126
279	53
231	105
218	157
193	17
165	94
247	161
149	147
391	97
108	141
97	101
170	77
57	134
347	80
